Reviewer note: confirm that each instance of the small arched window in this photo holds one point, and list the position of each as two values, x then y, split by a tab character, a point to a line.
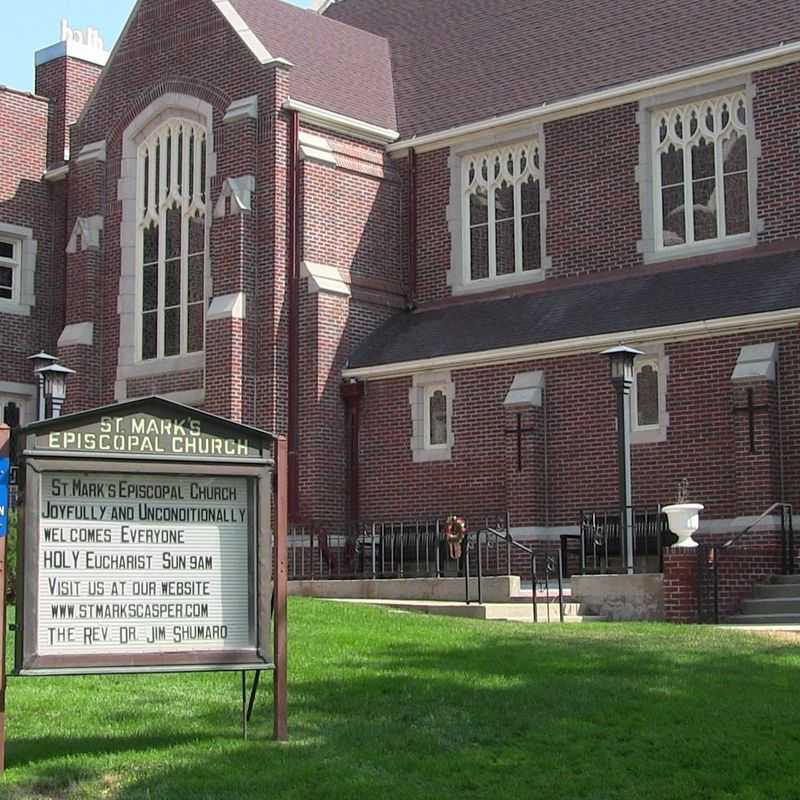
437	418
172	239
647	401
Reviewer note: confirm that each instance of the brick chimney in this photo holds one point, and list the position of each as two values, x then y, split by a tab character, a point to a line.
66	74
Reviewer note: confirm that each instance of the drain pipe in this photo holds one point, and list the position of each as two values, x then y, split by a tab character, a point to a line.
352	392
546	459
782	483
412	228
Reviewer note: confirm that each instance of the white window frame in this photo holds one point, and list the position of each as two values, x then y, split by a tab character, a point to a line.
129	365
14	263
153	210
23	395
498	145
644	434
424	385
651	112
23	265
429	392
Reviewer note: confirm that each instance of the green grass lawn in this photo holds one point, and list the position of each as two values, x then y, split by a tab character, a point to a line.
387	705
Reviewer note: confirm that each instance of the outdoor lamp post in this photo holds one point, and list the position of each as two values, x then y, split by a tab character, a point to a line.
40	361
621	360
55	388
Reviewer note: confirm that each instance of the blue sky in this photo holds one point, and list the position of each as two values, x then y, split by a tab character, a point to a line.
34	24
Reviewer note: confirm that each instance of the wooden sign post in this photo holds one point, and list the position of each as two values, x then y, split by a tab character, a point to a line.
5	472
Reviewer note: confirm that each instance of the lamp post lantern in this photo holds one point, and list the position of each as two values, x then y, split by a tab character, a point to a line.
39	361
621	360
55	388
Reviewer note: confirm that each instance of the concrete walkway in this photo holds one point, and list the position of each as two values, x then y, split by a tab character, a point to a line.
509	612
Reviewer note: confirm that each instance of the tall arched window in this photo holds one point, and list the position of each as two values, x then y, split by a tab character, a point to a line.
172	247
502	212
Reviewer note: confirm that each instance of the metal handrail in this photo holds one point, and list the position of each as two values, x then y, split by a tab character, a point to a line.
752	525
709	556
509	540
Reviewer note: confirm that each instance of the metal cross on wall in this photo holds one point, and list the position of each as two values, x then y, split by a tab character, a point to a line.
518	430
750	409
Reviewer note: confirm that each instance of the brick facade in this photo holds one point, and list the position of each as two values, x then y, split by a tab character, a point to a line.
349	212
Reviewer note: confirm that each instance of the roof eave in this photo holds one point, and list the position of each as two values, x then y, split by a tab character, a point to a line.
613	95
742	323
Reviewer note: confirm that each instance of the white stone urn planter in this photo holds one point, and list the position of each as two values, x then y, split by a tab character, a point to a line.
684	520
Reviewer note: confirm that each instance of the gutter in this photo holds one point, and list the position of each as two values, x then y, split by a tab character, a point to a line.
612	96
339	122
581	345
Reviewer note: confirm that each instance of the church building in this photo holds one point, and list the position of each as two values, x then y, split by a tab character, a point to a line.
402	233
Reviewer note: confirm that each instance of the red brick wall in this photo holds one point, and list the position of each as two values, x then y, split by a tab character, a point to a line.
26	200
704	443
68	83
593	215
752	560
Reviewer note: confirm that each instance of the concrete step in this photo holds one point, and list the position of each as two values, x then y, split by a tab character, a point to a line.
509	612
793	580
772	590
772	605
765	619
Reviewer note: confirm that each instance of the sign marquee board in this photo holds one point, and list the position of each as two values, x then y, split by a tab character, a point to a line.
147	543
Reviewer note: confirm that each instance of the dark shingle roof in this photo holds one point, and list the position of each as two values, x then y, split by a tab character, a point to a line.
750	286
336	67
460	61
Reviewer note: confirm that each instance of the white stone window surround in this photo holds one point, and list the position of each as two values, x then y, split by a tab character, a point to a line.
655	357
166	107
424	386
23	264
459	274
648	171
23	395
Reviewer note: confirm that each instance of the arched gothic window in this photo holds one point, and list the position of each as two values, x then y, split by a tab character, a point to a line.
701	170
502	212
172	239
647	400
436	414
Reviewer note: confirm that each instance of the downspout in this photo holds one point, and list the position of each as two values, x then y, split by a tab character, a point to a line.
293	275
412	228
352	392
546	462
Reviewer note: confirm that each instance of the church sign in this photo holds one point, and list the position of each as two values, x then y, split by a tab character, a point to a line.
147	543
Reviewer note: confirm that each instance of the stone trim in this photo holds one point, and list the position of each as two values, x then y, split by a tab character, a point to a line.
25	279
756	362
96	151
322	278
228	306
651	435
128	363
644	172
56	174
244	108
71	49
527	390
417	397
239	192
316	148
78	333
250	40
455	212
89	230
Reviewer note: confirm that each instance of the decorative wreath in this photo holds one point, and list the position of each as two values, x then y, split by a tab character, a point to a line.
455	531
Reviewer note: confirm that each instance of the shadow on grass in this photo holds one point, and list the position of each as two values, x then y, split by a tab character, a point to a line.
617	713
408	709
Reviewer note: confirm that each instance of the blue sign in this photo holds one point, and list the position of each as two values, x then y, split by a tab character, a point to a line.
5	474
